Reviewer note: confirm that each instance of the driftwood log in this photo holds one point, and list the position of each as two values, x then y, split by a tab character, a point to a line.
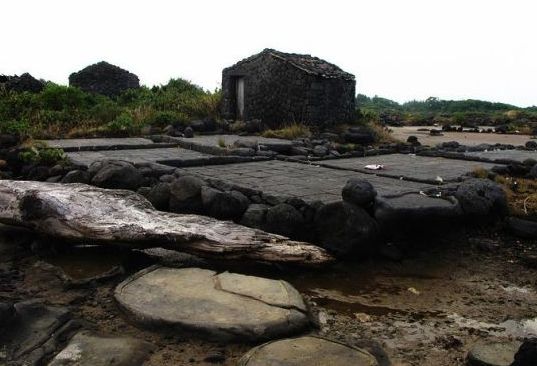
83	213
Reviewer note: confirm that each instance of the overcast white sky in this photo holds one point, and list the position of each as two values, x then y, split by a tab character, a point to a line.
399	49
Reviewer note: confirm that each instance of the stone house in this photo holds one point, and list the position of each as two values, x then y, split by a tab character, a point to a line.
280	88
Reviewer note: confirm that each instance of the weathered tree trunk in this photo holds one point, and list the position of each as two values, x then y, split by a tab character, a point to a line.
80	212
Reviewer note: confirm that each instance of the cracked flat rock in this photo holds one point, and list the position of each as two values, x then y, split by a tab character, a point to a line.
306	351
224	307
86	349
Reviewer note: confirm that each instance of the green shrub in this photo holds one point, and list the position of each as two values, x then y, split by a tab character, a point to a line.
46	156
123	125
19	128
165	118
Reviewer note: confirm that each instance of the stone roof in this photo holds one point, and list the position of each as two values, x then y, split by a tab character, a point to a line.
307	63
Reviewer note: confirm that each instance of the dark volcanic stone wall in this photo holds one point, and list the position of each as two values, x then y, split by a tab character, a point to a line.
278	93
104	78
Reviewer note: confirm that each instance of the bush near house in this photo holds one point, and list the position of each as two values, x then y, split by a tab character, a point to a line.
64	111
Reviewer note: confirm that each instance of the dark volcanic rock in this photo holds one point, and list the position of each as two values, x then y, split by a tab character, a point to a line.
481	198
104	78
185	195
527	354
116	174
531	145
254	216
284	219
523	228
76	176
223	205
159	196
345	228
359	191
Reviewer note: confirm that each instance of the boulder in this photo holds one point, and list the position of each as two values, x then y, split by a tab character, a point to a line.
523	228
284	219
532	145
526	354
185	195
76	176
359	192
254	216
415	208
320	151
344	228
117	174
223	205
104	78
481	198
222	307
86	349
307	351
159	196
492	354
188	132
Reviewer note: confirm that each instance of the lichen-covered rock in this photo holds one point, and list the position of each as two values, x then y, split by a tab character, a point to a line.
104	78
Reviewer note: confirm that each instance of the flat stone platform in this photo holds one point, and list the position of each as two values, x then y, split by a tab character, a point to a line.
503	156
306	181
136	156
218	144
410	167
98	144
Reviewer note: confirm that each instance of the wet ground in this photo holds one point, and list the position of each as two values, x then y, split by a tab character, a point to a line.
428	308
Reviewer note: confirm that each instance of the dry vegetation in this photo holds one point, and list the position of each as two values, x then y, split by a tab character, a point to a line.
290	132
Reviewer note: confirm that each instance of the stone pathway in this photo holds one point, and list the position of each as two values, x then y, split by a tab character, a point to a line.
221	307
411	167
306	181
306	351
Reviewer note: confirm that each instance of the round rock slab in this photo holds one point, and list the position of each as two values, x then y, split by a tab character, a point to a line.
222	307
306	351
493	354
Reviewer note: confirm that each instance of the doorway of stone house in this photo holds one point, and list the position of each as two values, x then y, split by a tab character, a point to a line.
239	88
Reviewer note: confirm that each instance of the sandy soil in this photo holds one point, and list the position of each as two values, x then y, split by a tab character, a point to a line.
464	138
426	309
